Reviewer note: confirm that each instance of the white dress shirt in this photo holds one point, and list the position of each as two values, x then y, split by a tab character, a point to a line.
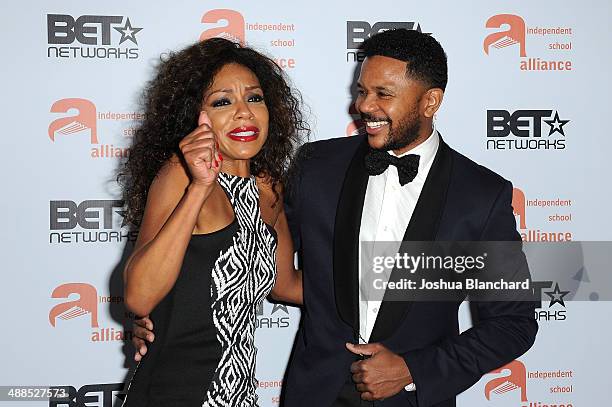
387	210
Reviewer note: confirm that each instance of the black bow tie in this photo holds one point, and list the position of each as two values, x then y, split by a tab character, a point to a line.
377	161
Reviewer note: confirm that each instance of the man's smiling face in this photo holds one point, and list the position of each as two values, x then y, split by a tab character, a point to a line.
388	101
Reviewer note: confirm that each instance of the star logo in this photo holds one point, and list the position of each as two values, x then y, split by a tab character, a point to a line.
556	125
276	307
128	32
556	296
123	214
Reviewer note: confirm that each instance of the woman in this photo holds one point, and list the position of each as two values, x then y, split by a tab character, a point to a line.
213	239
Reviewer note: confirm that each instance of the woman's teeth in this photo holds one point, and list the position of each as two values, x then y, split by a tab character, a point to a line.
244	134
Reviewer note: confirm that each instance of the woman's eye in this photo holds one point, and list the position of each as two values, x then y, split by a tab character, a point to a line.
256	98
220	102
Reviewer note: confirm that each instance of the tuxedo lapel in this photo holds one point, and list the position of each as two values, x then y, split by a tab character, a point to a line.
346	238
423	226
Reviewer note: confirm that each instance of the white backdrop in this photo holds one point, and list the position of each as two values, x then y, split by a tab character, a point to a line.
71	75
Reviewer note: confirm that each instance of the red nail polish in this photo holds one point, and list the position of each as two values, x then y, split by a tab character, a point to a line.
216	163
220	157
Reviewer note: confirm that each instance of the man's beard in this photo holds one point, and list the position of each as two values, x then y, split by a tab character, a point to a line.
405	132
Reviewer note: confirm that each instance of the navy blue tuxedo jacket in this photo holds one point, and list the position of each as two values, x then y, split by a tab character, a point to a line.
460	201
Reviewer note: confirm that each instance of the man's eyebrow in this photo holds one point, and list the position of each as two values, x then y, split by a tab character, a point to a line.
379	87
383	88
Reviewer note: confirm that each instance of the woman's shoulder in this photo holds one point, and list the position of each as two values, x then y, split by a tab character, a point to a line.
172	177
174	167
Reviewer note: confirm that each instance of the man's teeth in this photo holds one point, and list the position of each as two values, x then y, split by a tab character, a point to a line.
375	125
244	134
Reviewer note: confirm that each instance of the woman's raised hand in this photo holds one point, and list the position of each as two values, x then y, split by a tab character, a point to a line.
199	150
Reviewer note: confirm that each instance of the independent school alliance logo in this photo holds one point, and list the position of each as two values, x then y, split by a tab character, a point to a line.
84	120
231	25
91	36
515	34
510	383
552	213
79	119
552	45
85	306
87	303
537	129
358	31
515	378
90	221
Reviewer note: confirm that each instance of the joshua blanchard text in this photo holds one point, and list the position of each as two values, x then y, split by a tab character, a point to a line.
468	284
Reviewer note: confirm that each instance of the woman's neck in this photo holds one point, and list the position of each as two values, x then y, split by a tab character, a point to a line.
240	168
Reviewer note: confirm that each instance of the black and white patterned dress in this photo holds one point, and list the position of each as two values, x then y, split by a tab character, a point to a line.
204	351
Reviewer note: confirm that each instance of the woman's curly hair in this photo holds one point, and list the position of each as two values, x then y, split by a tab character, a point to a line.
172	103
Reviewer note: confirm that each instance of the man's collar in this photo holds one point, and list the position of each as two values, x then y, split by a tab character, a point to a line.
426	150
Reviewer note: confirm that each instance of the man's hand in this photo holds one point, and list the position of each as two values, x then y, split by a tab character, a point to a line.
143	333
382	375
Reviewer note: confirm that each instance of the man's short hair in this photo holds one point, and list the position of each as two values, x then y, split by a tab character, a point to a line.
425	57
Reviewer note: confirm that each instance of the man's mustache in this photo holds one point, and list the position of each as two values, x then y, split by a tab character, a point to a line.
369	118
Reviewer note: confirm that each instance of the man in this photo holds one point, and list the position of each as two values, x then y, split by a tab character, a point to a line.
351	352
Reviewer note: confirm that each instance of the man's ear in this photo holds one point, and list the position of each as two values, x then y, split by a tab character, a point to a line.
431	101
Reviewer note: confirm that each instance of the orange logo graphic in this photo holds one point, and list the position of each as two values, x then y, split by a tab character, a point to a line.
517	379
233	30
518	206
86	304
514	35
85	119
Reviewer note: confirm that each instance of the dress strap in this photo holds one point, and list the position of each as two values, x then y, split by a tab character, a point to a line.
242	193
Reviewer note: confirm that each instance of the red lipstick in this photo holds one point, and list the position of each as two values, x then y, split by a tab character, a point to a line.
247	133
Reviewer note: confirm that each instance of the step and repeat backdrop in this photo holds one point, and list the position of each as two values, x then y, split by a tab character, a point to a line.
527	97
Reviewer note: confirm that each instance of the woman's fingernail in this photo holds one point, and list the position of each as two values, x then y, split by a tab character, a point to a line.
220	157
216	163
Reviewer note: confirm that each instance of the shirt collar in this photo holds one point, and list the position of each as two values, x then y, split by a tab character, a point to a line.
426	150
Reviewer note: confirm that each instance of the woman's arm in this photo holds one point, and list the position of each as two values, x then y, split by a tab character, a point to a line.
288	286
172	209
174	201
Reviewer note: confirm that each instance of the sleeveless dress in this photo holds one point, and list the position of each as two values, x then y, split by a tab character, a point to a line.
204	351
